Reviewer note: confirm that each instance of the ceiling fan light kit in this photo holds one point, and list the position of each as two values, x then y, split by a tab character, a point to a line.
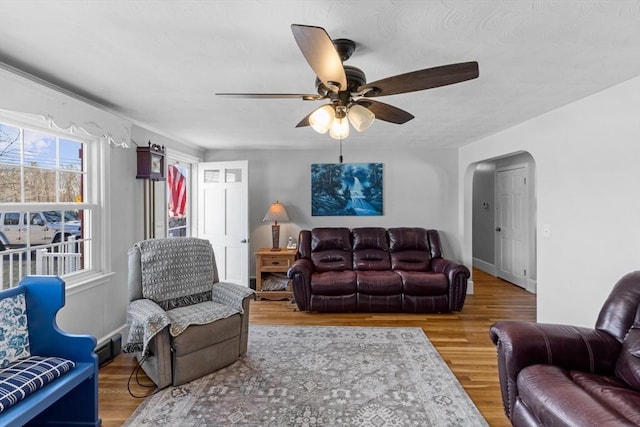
329	117
339	128
347	89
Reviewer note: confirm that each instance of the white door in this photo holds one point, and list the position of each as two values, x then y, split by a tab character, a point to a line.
223	217
511	224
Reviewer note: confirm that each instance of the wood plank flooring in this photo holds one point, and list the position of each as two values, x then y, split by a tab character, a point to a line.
462	339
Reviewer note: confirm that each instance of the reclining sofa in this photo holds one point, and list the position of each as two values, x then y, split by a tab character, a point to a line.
563	375
372	269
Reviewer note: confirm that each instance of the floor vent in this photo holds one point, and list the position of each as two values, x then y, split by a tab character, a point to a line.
107	351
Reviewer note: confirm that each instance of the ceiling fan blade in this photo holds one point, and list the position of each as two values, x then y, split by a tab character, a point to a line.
386	112
321	54
304	122
303	96
422	79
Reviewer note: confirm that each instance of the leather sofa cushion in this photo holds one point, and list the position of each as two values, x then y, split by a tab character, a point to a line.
628	363
408	238
331	249
410	261
327	238
332	260
371	259
423	283
370	249
613	392
378	282
333	283
555	395
370	238
409	249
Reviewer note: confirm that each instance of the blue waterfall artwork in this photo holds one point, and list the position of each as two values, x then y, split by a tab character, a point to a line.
346	189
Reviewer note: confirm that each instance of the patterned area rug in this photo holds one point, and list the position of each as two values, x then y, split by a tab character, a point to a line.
321	376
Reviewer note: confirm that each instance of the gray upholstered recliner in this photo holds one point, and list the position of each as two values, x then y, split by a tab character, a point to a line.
183	322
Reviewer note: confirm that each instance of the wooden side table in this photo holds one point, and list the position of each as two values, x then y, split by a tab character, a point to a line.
269	261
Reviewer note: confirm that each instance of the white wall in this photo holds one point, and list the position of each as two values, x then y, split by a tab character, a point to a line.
588	192
420	189
97	305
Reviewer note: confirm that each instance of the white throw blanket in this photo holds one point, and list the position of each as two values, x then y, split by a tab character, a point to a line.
177	272
146	319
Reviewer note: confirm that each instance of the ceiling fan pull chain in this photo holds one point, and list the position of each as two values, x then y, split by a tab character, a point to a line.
340	150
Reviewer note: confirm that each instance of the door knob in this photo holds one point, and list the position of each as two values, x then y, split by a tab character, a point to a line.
243	241
498	229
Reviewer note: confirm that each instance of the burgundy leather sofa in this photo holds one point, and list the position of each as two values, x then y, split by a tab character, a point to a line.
373	269
560	375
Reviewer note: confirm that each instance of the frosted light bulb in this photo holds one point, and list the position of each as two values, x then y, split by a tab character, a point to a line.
339	129
321	119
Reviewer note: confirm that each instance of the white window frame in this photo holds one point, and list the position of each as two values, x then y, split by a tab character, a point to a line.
95	192
184	159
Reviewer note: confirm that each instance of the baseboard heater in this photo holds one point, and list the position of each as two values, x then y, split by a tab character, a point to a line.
109	350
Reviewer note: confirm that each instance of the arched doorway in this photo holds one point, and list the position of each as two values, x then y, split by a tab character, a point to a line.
503	209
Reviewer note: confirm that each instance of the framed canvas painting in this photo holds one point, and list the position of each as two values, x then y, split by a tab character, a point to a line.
346	189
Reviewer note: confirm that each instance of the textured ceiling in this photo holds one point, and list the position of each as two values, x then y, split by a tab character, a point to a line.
160	63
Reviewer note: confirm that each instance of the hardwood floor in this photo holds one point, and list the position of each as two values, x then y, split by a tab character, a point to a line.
462	339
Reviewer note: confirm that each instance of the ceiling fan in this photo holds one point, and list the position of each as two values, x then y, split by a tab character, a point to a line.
346	88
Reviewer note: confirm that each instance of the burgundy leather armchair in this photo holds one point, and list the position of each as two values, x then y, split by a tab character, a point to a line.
560	375
373	269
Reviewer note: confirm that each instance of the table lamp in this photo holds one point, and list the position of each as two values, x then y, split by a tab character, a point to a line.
276	213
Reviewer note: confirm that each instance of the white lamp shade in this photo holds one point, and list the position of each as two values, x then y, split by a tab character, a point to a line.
360	117
321	119
276	213
339	128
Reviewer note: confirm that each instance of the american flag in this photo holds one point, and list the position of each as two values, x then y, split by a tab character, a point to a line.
177	185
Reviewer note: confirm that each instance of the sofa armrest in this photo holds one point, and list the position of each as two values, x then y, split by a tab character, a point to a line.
458	275
232	294
145	319
521	344
300	275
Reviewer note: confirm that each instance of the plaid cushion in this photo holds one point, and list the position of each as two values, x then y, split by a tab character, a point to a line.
21	378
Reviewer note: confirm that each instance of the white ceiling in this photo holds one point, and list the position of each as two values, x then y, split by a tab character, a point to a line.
160	63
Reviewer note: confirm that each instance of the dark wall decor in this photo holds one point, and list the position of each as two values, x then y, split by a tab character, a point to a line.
150	162
346	189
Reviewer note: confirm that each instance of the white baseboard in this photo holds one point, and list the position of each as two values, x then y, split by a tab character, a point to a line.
485	266
470	287
532	286
122	330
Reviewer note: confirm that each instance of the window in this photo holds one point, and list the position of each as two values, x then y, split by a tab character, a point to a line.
45	214
178	179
